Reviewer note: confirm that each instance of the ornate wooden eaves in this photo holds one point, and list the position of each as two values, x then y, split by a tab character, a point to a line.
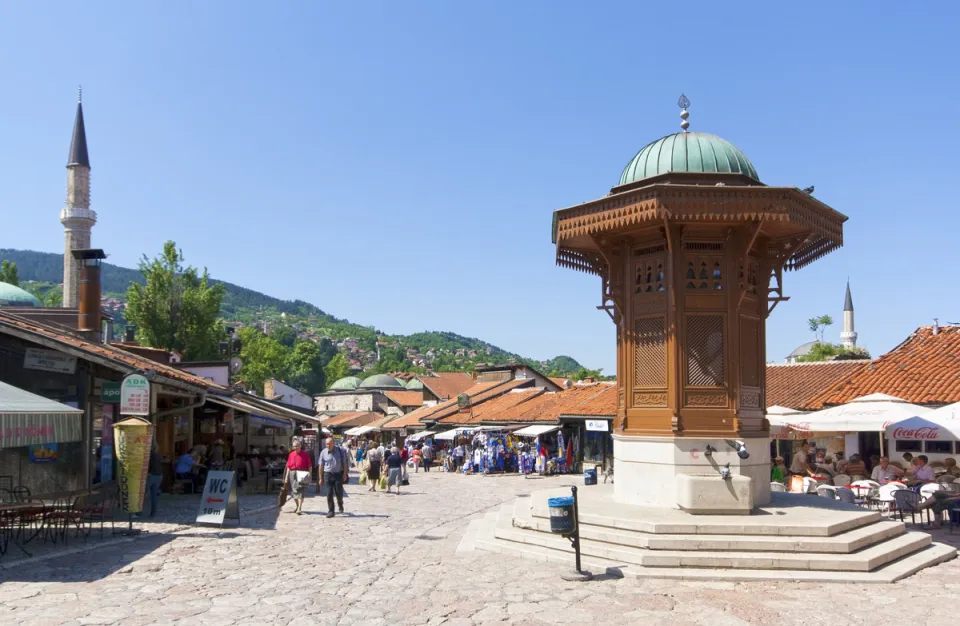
823	226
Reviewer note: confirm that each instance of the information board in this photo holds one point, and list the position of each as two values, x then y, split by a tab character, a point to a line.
135	395
219	501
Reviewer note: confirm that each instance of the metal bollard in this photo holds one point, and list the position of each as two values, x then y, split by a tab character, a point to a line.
578	575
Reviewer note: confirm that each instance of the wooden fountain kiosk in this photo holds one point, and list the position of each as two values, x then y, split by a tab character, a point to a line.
691	250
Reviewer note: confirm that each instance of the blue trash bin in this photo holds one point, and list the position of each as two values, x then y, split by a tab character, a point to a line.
562	518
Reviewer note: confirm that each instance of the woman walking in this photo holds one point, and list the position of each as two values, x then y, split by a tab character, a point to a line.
373	467
298	473
394	469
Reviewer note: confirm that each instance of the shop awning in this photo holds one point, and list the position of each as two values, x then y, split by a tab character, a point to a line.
358	430
448	435
27	419
420	435
536	430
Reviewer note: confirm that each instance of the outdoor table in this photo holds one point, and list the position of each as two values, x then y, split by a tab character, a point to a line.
11	517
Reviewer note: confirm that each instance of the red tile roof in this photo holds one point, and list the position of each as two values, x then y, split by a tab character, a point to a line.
924	369
563	383
598	399
493	409
795	385
405	398
478	393
351	419
107	355
447	385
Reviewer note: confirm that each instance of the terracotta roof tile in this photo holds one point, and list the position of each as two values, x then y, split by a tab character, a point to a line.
795	385
111	356
405	398
351	419
494	408
447	385
478	392
924	369
599	399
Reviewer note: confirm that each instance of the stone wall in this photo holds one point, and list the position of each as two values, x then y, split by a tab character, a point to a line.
64	474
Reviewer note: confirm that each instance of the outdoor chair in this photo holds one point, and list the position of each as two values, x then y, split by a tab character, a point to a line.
928	490
845	494
827	491
96	508
908	501
841	480
62	517
21	494
946	478
774	486
952	488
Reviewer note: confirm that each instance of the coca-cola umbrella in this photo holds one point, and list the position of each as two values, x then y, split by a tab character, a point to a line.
871	413
928	427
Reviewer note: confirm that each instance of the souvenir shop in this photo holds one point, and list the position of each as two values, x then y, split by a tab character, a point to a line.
592	443
548	448
485	450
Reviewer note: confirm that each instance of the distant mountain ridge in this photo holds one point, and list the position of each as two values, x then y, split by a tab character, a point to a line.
248	306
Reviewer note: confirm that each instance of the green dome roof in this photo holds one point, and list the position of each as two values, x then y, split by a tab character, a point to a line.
11	295
381	381
348	383
687	152
415	384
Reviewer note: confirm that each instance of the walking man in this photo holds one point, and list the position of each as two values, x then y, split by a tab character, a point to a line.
427	456
333	463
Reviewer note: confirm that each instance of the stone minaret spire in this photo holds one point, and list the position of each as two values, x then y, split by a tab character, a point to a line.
848	338
76	216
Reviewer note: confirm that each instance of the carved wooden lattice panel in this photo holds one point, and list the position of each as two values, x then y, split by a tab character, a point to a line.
650	364
705	351
749	352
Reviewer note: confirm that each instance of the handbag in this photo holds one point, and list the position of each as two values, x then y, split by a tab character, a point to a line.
282	496
363	477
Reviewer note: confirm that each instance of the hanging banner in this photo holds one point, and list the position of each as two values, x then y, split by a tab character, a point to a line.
132	439
135	395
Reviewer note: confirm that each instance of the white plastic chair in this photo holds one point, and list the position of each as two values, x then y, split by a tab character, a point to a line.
841	480
827	491
774	486
928	490
885	495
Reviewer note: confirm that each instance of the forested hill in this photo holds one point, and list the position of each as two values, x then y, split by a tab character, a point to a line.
453	351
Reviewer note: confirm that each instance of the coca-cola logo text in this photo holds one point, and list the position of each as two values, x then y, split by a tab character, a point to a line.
925	432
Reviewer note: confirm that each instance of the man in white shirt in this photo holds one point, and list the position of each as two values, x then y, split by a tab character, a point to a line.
884	472
923	473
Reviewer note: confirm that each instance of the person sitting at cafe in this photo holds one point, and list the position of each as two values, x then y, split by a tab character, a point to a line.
187	468
823	463
884	472
922	473
779	472
856	469
841	463
950	467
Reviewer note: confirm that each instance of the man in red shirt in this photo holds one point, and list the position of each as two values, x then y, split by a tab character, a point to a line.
298	473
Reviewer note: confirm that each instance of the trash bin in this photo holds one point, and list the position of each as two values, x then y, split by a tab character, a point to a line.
562	519
590	475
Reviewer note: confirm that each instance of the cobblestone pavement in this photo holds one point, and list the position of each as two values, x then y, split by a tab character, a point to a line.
393	560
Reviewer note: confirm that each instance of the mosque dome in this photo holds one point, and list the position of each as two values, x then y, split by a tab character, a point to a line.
11	295
803	350
348	383
415	384
381	381
691	152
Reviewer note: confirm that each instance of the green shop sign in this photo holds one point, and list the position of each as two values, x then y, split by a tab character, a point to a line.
110	392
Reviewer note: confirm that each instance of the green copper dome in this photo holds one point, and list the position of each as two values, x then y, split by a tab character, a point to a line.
414	384
11	295
348	383
381	381
687	152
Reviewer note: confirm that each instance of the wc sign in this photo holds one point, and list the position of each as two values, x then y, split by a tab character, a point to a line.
219	501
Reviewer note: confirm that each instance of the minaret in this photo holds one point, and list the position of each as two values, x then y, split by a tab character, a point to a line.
76	216
848	338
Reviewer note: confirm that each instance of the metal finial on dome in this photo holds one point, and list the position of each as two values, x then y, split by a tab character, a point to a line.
684	103
80	93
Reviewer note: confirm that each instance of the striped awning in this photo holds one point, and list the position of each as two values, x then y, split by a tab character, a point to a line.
27	419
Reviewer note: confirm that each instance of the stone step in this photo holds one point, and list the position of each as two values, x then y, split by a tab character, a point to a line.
862	561
792	515
843	543
906	566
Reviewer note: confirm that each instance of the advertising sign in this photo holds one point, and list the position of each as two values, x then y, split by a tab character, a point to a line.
49	361
131	441
135	395
598	426
43	453
219	501
110	392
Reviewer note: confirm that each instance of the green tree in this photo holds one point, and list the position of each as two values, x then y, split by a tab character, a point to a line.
336	369
284	334
818	326
583	373
177	308
8	273
305	365
263	357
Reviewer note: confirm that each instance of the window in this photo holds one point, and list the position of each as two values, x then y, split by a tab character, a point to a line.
938	447
909	446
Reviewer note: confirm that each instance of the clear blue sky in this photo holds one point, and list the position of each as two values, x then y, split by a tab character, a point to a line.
397	163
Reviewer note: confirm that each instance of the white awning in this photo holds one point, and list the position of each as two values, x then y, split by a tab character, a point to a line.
27	419
358	430
420	435
536	430
449	435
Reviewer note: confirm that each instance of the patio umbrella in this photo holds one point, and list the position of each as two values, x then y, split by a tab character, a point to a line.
779	418
927	427
871	413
